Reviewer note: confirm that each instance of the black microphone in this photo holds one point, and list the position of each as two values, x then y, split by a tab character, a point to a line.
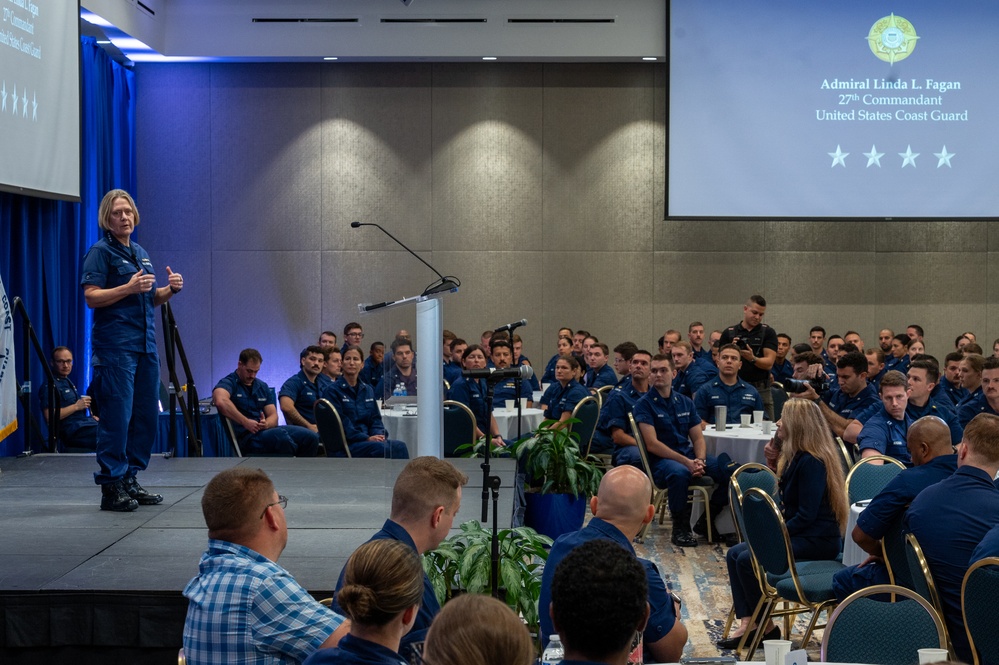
493	374
443	284
511	326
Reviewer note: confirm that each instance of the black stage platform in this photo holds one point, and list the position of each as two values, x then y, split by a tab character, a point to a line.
81	585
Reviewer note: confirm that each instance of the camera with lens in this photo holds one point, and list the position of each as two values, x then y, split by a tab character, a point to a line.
741	343
819	384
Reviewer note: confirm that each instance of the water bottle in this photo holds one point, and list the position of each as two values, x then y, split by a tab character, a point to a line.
402	390
397	391
554	653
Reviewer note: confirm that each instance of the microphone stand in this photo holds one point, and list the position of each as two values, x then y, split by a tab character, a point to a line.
491	483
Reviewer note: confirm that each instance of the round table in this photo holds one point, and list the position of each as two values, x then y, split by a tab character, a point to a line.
743	444
852	554
401	424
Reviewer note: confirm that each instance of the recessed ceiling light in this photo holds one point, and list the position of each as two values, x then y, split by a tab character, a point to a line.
650	58
489	57
331	57
103	41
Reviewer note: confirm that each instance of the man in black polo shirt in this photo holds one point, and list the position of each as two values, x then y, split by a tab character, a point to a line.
757	344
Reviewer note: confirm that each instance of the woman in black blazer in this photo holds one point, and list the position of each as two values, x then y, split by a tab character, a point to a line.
813	498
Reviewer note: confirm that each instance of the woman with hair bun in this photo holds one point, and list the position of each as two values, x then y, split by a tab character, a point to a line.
480	630
383	585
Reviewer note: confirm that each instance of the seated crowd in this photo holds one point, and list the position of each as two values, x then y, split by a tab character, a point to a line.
939	420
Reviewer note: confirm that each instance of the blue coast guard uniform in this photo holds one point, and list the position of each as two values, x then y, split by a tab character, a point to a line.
559	399
251	401
126	381
886	435
304	393
619	404
738	399
77	430
361	419
846	406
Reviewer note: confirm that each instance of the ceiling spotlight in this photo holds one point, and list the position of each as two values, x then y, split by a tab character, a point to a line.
650	58
489	57
331	57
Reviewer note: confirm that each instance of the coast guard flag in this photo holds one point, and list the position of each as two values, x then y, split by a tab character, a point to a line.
8	391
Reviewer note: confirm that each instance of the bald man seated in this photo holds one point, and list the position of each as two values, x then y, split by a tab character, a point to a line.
620	509
933	459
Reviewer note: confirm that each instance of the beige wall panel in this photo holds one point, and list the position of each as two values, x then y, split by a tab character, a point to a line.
352	277
487	157
496	288
173	139
265	156
265	300
376	155
606	293
598	170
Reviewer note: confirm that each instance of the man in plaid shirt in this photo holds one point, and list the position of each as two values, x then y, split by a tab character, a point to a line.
244	607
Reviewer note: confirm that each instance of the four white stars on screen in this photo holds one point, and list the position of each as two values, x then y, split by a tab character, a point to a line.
874	157
14	101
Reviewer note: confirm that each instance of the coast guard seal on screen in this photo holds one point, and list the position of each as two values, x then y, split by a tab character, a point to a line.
892	38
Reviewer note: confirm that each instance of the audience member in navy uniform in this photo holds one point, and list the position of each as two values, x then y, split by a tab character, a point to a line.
950	387
671	430
564	349
922	379
472	393
371	373
599	374
813	501
401	370
669	338
453	366
623	354
898	359
841	404
613	428
884	433
353	335
620	509
357	405
426	498
563	395
987	400
502	357
971	376
299	393
248	403
875	367
834	349
76	428
853	337
817	341
520	359
727	390
695	336
989	547
332	364
950	519
783	367
691	373
327	339
119	284
933	459
757	344
479	629
381	593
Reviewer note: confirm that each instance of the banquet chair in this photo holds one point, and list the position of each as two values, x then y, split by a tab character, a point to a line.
803	586
331	429
587	411
458	426
846	455
700	488
779	396
979	591
866	479
866	630
603	392
233	439
746	476
922	578
893	553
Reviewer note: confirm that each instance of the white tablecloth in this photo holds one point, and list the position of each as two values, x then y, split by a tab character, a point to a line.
401	424
743	444
852	554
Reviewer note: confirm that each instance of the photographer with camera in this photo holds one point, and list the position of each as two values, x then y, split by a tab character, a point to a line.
757	344
840	404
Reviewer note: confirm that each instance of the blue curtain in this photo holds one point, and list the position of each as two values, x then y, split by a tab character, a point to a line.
45	240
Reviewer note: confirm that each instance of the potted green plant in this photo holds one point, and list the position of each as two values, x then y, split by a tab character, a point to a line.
560	478
462	564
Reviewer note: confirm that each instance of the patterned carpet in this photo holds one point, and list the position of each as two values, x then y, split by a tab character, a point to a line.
699	576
